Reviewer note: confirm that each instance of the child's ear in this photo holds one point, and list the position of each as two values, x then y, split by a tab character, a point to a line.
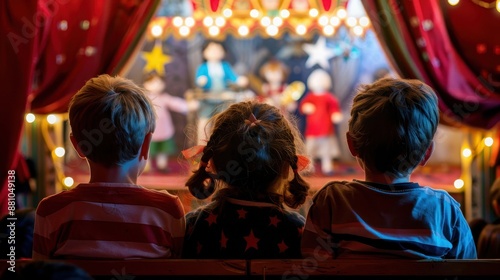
350	144
144	153
428	154
74	142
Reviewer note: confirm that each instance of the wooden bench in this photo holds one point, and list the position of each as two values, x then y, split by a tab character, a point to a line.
296	269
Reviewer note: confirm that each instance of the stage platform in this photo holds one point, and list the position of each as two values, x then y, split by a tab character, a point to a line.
436	176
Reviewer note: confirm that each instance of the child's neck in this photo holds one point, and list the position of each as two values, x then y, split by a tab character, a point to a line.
126	173
382	178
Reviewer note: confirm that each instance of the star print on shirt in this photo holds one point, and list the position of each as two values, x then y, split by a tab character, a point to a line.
274	220
211	219
282	246
241	213
223	240
300	230
251	241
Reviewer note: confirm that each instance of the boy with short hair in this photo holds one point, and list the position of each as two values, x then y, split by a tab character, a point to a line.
391	130
111	217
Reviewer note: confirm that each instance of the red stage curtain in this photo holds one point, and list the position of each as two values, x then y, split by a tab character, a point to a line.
417	42
49	48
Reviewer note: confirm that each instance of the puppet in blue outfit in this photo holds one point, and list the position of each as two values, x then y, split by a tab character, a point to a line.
215	77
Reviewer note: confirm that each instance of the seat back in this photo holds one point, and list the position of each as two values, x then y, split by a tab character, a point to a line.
489	242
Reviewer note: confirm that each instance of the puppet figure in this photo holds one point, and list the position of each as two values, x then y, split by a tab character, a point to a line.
322	111
216	78
275	73
162	142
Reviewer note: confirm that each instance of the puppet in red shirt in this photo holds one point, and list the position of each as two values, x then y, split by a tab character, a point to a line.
322	111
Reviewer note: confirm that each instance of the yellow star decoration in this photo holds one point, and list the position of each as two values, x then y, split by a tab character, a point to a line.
155	60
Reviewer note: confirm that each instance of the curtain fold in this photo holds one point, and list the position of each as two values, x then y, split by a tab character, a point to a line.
52	48
415	38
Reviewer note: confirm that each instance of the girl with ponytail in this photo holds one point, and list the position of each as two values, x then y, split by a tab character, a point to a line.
250	167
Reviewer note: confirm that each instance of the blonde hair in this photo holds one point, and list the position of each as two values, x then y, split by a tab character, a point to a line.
392	124
249	156
274	65
109	118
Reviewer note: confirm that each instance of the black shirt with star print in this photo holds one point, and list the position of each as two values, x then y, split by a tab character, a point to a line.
243	229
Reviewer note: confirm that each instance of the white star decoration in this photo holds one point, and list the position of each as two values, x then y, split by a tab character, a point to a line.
319	53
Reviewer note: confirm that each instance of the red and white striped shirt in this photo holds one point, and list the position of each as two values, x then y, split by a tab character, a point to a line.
109	221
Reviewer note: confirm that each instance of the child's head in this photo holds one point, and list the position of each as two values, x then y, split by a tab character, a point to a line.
154	83
392	125
252	146
110	118
274	71
213	50
319	81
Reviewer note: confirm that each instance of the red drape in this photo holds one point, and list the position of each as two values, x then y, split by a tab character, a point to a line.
49	48
417	42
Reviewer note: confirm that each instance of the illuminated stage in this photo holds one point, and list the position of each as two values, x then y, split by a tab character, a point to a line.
435	176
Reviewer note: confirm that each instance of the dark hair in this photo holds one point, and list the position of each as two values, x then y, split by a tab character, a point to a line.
210	41
152	75
393	122
249	156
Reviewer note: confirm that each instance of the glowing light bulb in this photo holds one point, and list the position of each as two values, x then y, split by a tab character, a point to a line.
285	13
208	21
272	30
265	21
68	181
52	119
220	21
156	31
328	30
277	21
364	21
184	31
313	12
227	13
488	141
213	30
30	117
243	30
59	151
177	21
458	184
301	29
358	30
351	21
498	6
189	21
254	13
323	20
453	2
466	152
335	21
341	13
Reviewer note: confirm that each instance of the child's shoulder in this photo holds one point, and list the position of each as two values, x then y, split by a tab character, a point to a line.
126	194
333	186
